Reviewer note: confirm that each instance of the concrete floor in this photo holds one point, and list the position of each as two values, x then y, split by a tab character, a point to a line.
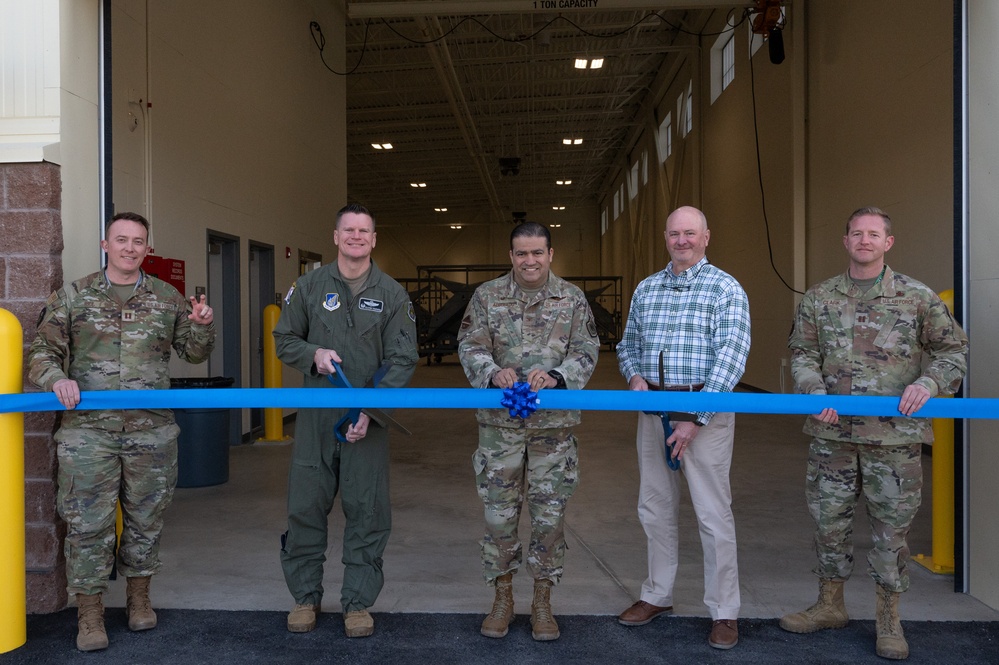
220	544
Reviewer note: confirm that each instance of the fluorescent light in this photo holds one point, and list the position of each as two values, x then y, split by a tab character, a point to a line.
440	209
418	184
563	182
558	207
577	142
381	146
596	63
566	141
581	63
555	226
456	226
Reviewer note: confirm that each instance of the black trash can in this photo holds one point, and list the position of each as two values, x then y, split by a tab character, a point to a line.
203	445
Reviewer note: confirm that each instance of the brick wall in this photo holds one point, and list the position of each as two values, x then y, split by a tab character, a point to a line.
30	269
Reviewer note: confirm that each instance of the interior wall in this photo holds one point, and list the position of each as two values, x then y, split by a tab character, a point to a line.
880	109
983	381
401	248
715	169
226	118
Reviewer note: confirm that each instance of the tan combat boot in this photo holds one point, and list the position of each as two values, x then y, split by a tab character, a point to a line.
543	626
138	607
90	618
358	623
497	624
891	641
828	612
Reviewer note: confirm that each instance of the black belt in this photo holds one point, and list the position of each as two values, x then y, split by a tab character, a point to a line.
684	388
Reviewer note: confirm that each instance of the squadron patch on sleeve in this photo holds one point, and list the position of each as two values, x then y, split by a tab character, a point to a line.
291	291
411	312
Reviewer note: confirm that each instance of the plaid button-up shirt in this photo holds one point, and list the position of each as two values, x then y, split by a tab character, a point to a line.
699	318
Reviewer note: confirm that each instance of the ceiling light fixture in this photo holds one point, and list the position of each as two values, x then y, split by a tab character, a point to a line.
558	207
555	226
456	226
596	63
418	184
440	209
572	141
584	63
382	146
563	182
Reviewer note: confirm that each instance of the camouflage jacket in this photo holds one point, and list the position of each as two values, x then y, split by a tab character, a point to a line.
551	330
85	334
846	342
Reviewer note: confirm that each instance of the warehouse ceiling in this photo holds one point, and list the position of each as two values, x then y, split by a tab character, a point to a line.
476	106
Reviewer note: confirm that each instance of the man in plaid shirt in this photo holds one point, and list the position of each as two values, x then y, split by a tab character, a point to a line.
688	329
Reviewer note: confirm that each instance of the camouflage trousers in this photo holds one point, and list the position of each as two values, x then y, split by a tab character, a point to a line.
97	469
511	464
891	480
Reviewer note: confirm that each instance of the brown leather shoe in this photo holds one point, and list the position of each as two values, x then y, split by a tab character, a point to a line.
641	613
724	634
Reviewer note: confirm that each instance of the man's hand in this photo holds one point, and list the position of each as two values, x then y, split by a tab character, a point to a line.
505	378
68	392
360	430
913	398
324	360
638	383
539	378
201	313
683	434
828	416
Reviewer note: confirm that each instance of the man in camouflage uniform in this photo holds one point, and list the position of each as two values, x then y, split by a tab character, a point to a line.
869	331
348	312
527	326
113	330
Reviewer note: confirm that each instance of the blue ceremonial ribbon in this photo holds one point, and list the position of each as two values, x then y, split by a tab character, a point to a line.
520	400
474	398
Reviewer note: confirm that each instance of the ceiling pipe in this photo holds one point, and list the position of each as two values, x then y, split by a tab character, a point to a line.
444	66
413	8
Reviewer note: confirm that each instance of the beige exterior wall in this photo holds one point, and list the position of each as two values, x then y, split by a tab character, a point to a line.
983	294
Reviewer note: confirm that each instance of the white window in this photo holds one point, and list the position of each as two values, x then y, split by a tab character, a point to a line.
723	61
664	144
728	62
617	204
633	181
603	222
645	167
684	106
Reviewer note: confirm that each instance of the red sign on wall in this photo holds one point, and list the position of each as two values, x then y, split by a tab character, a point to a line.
170	271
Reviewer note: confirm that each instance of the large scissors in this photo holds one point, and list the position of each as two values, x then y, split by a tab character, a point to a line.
671	462
340	380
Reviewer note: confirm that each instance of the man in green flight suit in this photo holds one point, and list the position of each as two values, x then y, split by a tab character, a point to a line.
352	313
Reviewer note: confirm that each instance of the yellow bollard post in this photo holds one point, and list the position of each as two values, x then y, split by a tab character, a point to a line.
13	615
273	418
942	559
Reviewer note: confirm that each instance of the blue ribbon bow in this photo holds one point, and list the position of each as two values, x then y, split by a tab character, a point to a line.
520	400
